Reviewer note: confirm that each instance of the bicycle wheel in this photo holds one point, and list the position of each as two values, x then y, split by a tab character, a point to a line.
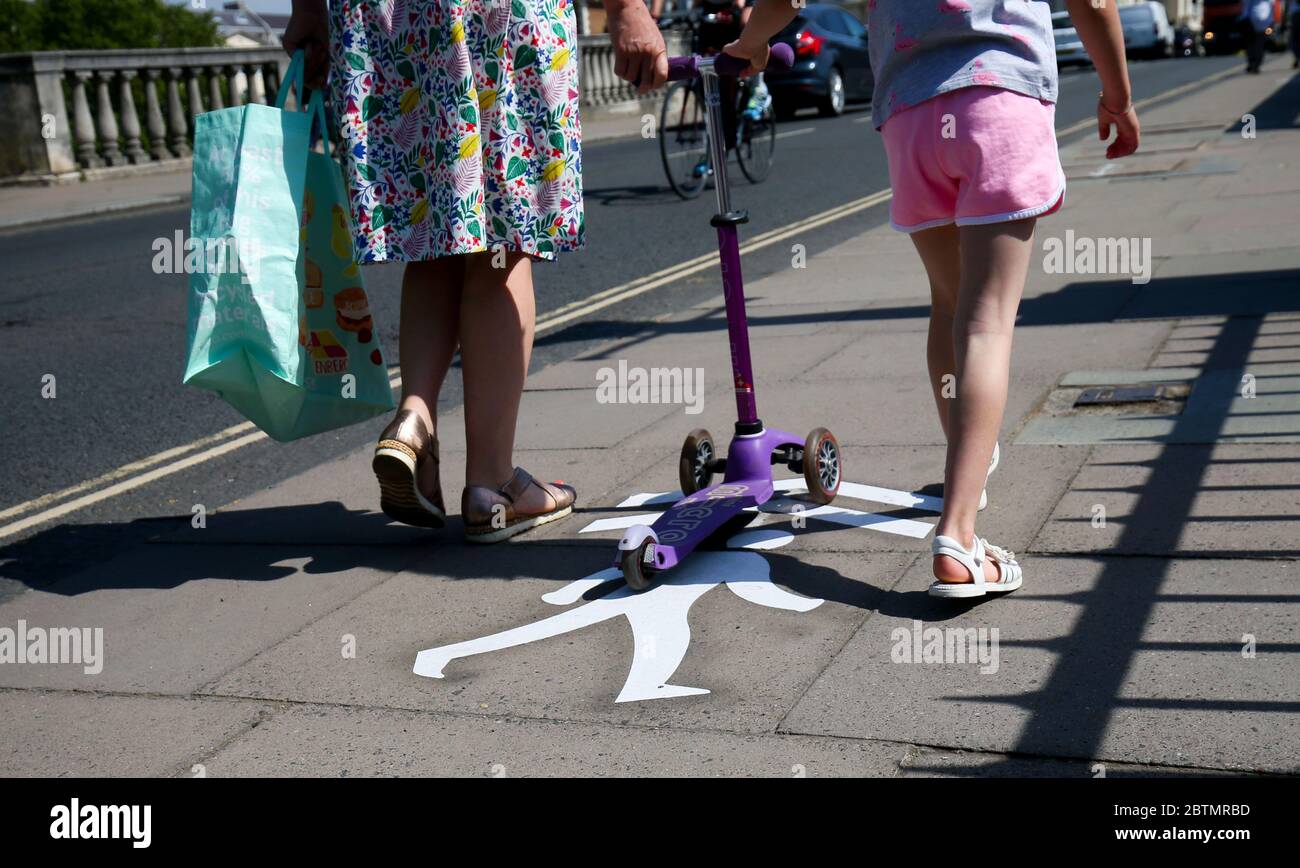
684	140
757	145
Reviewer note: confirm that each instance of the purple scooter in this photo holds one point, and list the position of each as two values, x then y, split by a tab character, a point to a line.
747	469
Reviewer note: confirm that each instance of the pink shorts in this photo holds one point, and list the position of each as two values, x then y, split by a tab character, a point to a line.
973	155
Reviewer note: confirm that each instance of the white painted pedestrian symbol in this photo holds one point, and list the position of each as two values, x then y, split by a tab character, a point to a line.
658	617
660	632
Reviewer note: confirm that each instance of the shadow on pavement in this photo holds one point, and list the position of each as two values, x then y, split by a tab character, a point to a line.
252	545
1280	111
1253	293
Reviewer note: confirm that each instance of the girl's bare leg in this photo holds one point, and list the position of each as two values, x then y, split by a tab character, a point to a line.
497	316
993	262
940	253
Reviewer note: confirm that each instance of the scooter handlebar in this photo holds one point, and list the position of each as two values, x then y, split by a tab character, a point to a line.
688	65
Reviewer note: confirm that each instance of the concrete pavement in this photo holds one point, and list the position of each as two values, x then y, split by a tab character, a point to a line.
1157	632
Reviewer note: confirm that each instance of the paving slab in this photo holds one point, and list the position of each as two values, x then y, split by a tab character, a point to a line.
868	276
753	660
1116	377
90	735
1262	240
176	616
548	418
1098	658
1140	163
312	741
1180	500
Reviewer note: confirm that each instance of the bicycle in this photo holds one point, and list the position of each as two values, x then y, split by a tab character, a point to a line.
683	139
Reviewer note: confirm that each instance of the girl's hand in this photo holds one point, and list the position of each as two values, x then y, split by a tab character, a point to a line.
757	55
309	30
1128	131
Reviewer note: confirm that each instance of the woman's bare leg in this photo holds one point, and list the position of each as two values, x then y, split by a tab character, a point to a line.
431	293
497	316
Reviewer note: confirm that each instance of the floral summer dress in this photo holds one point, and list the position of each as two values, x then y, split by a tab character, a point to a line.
459	120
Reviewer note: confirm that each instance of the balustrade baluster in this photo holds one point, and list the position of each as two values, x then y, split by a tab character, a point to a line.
178	128
107	121
153	117
129	119
83	123
214	88
232	84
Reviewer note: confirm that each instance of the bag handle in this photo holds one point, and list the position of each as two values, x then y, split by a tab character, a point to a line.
292	77
315	104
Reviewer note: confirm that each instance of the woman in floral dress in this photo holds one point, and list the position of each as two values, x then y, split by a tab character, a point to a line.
462	143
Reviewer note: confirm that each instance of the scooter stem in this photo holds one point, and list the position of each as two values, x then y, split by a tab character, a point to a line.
733	287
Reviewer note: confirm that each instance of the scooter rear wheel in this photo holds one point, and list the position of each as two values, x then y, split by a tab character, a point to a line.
695	469
633	563
822	466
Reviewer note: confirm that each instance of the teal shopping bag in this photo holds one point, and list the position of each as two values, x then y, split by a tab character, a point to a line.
279	322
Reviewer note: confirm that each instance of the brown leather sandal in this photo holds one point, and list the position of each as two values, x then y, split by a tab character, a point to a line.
406	465
490	516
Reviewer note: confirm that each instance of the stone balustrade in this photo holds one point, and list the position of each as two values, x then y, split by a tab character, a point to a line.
101	113
87	111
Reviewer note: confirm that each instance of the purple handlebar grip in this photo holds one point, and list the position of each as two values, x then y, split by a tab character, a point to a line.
688	65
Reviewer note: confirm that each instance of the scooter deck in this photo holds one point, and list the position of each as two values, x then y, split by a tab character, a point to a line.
691	520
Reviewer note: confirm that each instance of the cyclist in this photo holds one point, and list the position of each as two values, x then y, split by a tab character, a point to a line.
720	22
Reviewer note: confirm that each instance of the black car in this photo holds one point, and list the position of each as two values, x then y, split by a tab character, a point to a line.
831	65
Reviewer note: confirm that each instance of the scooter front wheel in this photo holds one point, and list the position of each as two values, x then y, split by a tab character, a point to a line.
633	563
822	466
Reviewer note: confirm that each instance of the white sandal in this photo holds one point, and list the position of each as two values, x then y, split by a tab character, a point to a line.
1010	576
993	465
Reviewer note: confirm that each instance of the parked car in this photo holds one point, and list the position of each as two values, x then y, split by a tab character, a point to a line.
831	64
1147	31
1069	48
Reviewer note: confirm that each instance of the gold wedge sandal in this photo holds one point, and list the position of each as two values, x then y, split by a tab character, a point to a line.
406	465
490	516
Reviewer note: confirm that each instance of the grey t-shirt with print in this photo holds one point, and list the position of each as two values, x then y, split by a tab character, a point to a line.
922	48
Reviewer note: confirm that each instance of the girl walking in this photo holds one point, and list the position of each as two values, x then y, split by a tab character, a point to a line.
964	97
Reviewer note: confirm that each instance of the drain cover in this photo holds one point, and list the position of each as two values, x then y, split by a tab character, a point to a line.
1122	394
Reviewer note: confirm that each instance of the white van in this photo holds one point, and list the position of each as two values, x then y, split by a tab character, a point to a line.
1147	31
